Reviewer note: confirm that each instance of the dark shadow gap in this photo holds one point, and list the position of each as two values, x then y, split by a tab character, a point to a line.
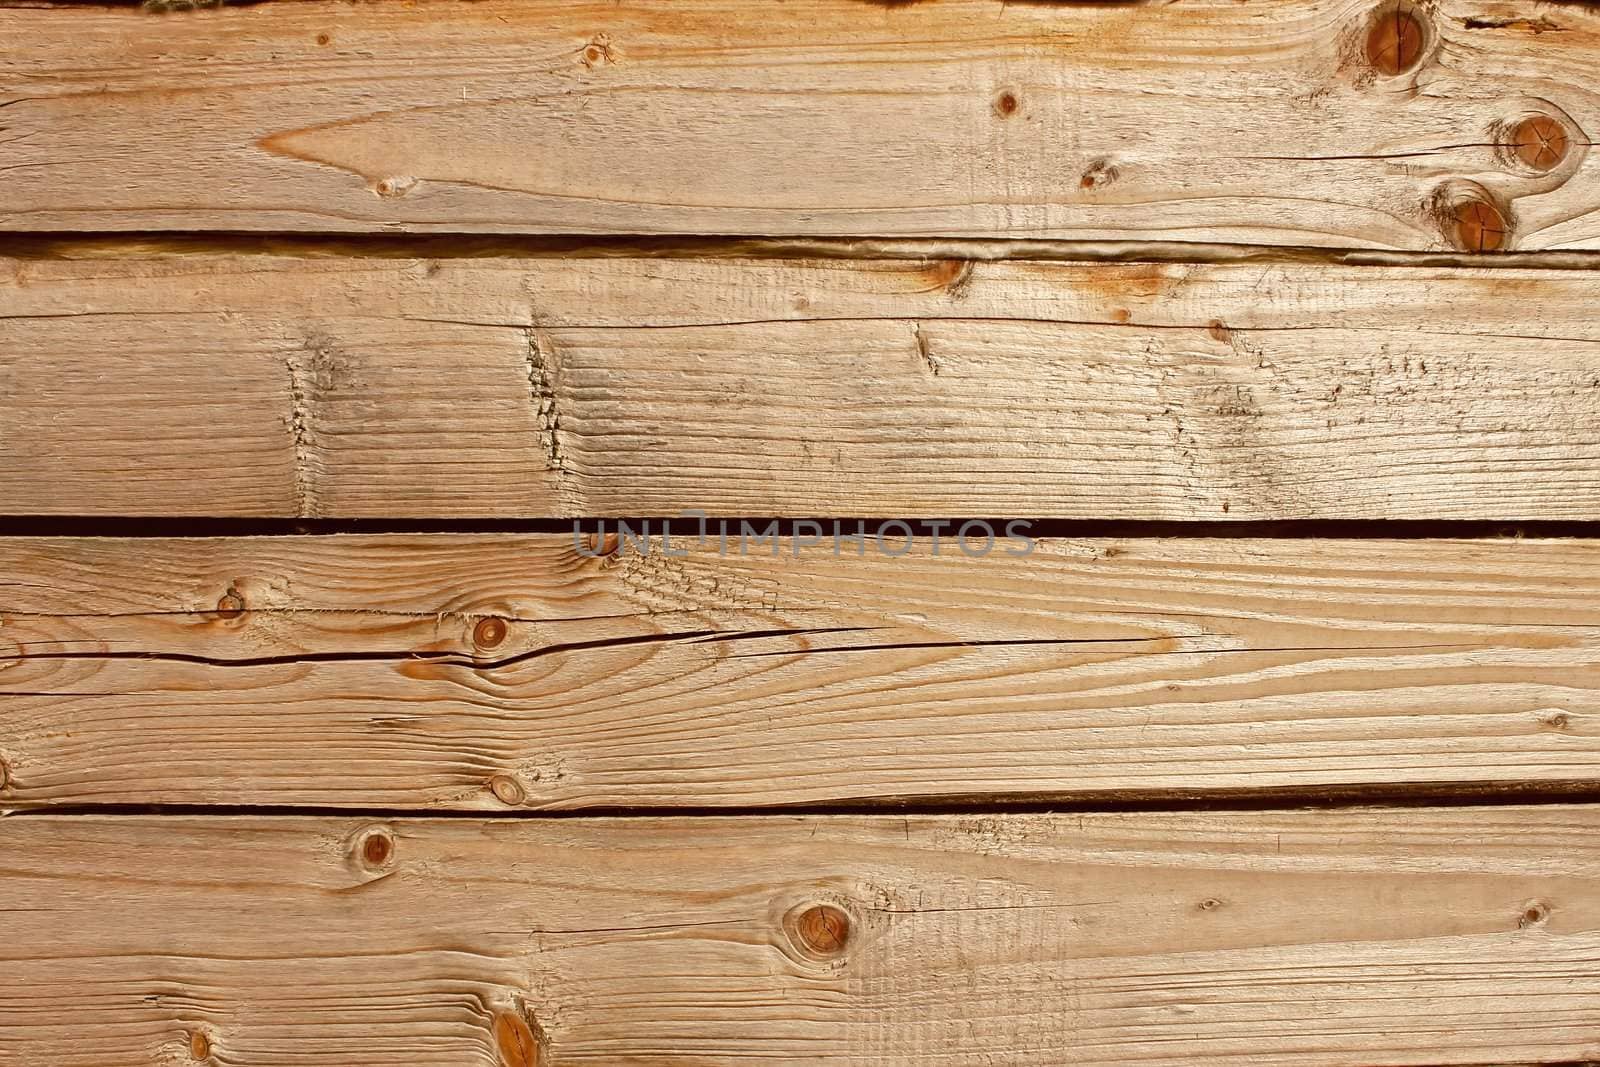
137	244
1419	795
130	526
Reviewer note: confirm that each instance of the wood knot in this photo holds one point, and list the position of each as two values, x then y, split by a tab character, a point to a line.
389	188
1210	904
951	275
602	544
377	848
199	1045
515	1040
1219	331
1538	142
489	632
231	604
5	775
1098	174
821	930
1534	914
507	790
1395	40
1006	104
324	39
1478	226
598	51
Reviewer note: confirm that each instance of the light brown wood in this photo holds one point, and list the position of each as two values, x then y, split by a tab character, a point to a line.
1203	120
423	259
511	672
1340	939
262	385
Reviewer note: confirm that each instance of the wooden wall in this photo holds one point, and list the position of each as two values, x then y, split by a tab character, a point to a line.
342	724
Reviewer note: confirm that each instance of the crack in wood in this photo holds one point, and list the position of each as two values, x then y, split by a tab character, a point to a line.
452	659
448	659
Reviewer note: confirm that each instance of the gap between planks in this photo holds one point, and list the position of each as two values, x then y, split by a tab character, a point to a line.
467	245
1485	795
140	526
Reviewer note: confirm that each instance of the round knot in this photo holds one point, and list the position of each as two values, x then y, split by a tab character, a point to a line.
376	849
231	604
1539	142
1394	40
822	930
507	790
1479	226
489	632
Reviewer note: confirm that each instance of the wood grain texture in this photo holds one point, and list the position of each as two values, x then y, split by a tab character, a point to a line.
1342	939
360	671
1198	121
281	385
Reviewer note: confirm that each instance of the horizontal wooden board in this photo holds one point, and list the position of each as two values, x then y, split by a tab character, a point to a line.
509	672
286	385
1202	120
1344	939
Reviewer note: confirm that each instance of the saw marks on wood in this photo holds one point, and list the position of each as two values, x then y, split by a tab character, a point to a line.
1415	936
282	385
502	672
1463	124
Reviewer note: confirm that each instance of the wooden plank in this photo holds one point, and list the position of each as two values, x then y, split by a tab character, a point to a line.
503	672
1208	120
284	385
1421	936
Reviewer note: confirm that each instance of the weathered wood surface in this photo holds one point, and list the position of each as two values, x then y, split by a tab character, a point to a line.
512	672
281	385
1198	121
1421	936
